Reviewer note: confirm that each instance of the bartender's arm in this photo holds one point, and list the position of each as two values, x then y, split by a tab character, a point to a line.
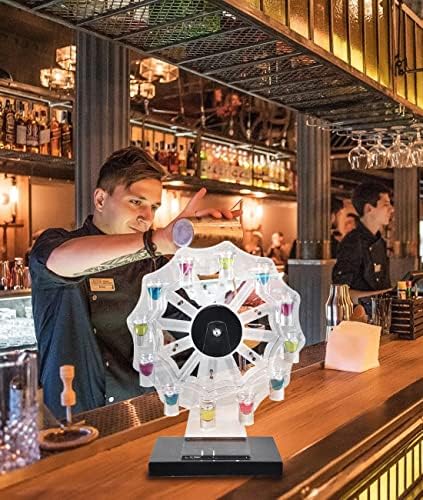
92	254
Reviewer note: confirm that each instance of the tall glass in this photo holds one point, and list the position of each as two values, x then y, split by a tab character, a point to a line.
18	410
358	156
378	154
416	147
398	152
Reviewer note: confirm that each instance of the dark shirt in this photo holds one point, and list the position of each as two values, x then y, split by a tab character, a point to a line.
362	262
79	326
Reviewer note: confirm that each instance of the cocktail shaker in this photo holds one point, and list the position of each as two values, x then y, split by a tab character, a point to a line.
203	232
339	306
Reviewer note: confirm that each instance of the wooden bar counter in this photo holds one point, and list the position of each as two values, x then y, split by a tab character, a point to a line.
318	402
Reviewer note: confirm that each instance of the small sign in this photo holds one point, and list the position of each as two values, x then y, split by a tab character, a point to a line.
102	284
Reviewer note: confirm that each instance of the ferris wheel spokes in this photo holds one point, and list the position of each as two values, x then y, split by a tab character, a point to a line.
241	295
182	304
178	346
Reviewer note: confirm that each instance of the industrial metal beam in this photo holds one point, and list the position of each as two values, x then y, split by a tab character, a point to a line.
190	40
252	63
225	52
174	22
275	73
115	12
44	5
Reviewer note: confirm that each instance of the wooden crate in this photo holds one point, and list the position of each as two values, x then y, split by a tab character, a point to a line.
407	318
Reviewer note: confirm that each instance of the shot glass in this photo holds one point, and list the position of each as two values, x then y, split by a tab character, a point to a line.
246	408
186	266
207	413
226	265
171	400
154	290
277	384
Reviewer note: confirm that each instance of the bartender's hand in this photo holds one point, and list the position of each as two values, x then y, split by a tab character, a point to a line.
163	237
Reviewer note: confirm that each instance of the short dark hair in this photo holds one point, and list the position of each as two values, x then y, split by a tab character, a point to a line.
126	166
368	192
336	205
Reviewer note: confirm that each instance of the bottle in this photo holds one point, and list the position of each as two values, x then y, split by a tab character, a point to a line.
2	130
204	163
409	290
66	127
182	160
9	124
20	144
44	134
402	290
19	274
174	160
32	132
191	160
56	136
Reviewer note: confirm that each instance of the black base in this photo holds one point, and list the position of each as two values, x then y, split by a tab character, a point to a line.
174	456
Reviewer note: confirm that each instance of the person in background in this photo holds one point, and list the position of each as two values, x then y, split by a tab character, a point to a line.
335	234
362	261
255	245
351	222
86	282
278	249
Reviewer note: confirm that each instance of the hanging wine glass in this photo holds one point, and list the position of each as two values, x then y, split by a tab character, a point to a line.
378	153
416	148
398	152
358	156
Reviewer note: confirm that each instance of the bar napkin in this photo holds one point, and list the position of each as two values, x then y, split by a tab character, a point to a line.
353	347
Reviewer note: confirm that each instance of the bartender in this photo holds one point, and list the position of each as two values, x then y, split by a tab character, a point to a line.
362	261
86	282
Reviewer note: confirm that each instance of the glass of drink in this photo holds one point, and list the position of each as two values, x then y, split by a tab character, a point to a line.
18	410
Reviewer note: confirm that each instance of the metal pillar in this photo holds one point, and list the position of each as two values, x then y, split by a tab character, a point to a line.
406	223
102	111
310	272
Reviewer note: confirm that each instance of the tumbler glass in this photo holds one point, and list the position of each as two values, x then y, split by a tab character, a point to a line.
18	410
381	312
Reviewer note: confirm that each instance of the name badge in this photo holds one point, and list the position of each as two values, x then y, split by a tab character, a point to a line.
102	284
377	268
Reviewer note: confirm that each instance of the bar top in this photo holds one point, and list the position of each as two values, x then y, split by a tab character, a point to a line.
317	403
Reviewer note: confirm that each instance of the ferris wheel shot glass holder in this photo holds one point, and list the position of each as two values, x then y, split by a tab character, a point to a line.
234	331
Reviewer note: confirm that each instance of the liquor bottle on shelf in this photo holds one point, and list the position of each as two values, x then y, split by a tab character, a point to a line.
163	154
9	124
191	160
56	136
32	132
204	160
66	127
290	174
45	136
182	160
173	160
258	171
20	144
2	127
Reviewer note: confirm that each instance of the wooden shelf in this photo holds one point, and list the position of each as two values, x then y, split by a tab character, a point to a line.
187	183
19	163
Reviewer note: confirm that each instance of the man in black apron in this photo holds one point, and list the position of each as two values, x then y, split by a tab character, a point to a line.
362	261
86	282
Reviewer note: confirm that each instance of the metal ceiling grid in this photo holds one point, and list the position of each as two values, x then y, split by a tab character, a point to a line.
211	38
